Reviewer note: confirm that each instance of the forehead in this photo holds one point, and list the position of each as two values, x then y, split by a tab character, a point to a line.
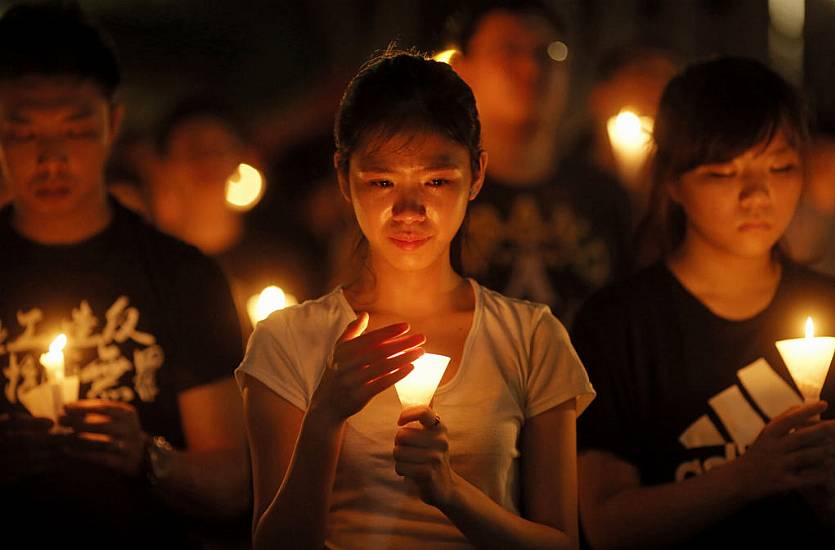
428	149
36	96
504	27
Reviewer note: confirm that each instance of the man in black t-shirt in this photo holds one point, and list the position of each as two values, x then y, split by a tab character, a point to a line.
152	334
682	390
536	232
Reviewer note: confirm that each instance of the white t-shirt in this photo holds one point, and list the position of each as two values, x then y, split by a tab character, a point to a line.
517	362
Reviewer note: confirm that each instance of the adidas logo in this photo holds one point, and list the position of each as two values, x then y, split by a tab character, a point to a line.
742	422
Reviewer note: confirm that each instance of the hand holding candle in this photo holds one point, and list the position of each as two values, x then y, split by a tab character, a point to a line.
47	400
808	360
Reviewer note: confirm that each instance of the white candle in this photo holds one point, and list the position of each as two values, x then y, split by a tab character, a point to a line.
808	360
53	362
418	387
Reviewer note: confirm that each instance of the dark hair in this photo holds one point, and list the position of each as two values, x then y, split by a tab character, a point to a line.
464	22
712	112
399	91
193	108
55	39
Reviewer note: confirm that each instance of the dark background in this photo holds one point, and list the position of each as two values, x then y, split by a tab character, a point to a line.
283	63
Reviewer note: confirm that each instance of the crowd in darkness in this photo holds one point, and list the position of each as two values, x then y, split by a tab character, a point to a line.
609	308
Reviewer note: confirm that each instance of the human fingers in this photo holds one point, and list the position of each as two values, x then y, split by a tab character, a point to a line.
794	418
388	349
434	439
420	413
819	433
357	377
801	479
811	457
114	409
355	327
384	382
98	424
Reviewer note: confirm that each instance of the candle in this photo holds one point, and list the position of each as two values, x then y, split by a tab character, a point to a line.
630	136
244	188
53	362
268	300
418	387
808	360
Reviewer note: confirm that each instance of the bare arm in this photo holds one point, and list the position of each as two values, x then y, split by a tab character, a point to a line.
618	512
295	454
211	477
549	483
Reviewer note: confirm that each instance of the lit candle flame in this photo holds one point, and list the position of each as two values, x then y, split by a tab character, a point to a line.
631	137
244	188
268	300
445	56
810	328
53	360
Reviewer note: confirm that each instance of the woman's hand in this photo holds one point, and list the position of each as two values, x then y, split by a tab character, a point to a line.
363	366
107	433
421	453
793	451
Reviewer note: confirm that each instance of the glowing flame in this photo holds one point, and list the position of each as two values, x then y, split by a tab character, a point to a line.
268	300
630	136
445	56
58	344
244	188
558	51
53	360
810	328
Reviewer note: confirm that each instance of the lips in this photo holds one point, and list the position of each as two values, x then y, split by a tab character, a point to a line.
755	225
408	241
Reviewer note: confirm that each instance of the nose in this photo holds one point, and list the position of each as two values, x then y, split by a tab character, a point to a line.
755	191
51	149
409	207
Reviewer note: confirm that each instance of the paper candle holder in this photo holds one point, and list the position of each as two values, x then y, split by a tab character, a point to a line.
807	360
418	387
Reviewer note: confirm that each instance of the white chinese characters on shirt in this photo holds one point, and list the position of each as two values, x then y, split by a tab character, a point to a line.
103	373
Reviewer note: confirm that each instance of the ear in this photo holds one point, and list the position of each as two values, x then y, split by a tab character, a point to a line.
673	191
478	179
342	178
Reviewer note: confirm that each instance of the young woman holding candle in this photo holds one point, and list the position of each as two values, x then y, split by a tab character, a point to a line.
683	352
492	463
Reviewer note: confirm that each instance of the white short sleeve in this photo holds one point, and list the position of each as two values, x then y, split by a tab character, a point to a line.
268	360
556	372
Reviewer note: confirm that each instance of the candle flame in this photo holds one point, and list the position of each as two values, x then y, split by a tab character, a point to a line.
58	344
270	299
445	56
810	328
244	188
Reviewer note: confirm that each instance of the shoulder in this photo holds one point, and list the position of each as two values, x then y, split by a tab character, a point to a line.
498	307
308	319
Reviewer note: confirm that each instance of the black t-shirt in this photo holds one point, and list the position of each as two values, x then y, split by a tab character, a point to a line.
681	390
147	317
555	242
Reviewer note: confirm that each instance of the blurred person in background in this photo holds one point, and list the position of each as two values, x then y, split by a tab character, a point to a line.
535	232
155	439
202	146
628	79
811	236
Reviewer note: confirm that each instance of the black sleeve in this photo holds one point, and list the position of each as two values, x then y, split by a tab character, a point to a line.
210	343
611	423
